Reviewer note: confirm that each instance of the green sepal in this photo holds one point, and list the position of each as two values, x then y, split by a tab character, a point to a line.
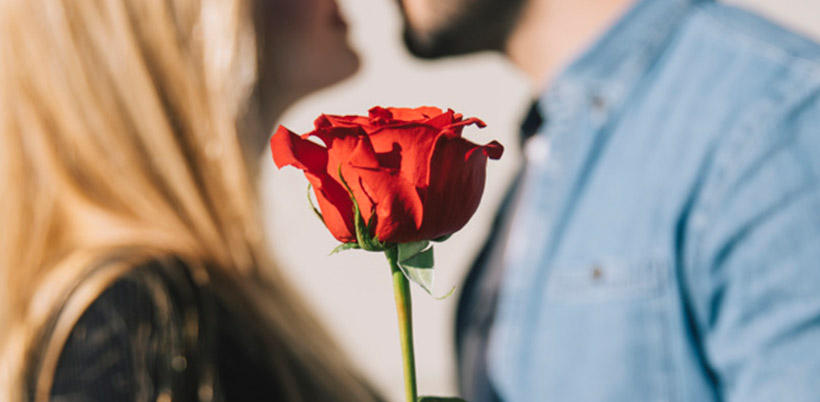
363	237
439	399
442	238
313	207
343	247
371	227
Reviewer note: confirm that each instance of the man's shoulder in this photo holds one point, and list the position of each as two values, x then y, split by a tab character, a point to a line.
735	71
742	90
749	91
735	30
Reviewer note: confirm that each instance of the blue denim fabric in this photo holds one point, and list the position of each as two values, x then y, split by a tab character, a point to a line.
666	246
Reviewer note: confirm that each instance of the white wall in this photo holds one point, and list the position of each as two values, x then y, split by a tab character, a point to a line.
352	291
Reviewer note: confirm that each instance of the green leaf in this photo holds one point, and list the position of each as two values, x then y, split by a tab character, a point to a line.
422	260
440	399
446	295
416	262
419	267
343	247
421	276
410	250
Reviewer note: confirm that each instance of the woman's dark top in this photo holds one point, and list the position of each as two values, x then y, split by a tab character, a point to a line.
155	335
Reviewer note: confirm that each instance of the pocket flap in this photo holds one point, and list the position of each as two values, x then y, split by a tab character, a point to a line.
606	279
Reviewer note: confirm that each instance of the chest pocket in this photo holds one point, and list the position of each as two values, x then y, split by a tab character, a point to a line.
602	330
606	280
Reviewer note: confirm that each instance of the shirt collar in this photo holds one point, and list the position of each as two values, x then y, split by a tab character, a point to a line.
611	67
532	123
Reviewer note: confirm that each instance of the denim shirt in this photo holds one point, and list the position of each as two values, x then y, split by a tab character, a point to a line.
666	242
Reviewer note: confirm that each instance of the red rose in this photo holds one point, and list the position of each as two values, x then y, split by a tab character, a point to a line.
409	167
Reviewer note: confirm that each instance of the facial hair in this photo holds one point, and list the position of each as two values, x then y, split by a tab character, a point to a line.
467	26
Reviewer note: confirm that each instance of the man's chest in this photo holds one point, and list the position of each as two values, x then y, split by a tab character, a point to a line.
592	294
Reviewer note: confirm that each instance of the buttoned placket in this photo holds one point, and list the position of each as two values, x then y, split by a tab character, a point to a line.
584	100
554	159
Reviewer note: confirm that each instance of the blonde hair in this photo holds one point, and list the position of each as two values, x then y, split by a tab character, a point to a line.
119	131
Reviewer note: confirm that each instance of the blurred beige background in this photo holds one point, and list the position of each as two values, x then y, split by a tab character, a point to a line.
352	291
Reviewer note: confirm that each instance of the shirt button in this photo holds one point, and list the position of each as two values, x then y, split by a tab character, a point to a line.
537	149
598	103
597	273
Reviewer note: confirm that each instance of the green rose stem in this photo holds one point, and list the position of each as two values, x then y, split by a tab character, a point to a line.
401	290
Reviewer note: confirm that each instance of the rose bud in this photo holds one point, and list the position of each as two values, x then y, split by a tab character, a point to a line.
400	175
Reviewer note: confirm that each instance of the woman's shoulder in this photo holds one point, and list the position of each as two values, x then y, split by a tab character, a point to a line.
138	338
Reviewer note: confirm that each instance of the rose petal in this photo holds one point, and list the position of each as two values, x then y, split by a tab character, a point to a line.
467	122
397	204
415	144
493	150
340	143
413	115
362	156
455	185
442	120
399	209
380	116
336	207
291	150
329	120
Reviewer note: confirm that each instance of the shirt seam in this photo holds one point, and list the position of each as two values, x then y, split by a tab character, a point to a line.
739	39
725	169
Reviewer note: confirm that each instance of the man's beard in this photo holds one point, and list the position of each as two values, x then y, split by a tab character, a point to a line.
477	25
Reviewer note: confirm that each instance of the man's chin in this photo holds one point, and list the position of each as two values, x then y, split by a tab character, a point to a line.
432	48
421	48
480	25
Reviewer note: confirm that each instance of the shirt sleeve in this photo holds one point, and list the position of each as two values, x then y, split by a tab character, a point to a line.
754	275
130	344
